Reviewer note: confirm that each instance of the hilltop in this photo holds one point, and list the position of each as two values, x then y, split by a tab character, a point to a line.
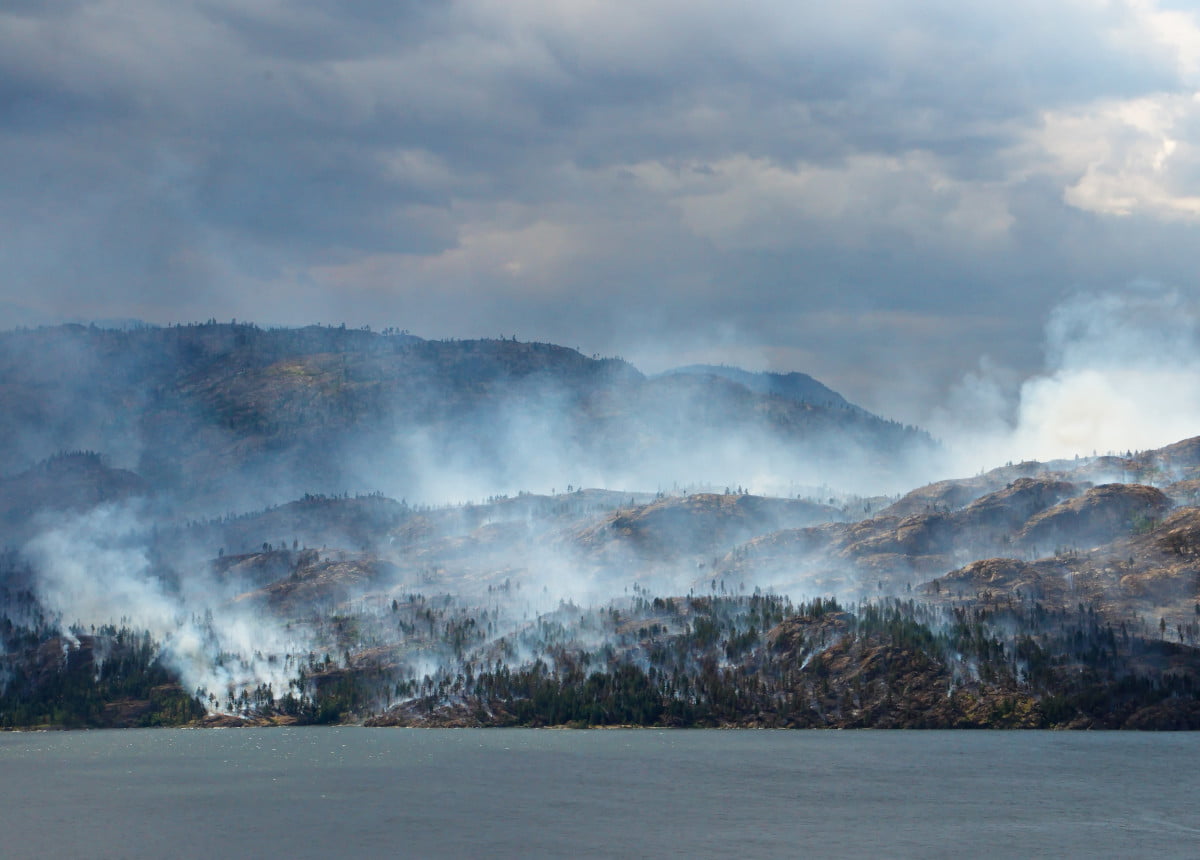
793	386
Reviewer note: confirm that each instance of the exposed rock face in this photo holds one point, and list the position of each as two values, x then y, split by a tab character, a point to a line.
914	546
1007	509
700	523
1002	576
1178	535
1099	515
1162	565
313	581
957	493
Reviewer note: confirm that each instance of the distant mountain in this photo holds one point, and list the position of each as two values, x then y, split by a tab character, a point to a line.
794	386
223	412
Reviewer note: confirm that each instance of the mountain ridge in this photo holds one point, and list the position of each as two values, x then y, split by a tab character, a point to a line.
792	385
193	407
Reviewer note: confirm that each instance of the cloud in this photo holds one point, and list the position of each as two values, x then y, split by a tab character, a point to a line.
590	177
1129	156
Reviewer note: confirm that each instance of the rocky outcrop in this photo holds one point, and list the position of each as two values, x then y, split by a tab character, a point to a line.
1098	516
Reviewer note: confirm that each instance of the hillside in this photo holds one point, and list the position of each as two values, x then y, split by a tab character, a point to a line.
792	386
228	416
171	579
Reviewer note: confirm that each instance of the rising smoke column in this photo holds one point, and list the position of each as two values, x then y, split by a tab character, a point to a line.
1122	372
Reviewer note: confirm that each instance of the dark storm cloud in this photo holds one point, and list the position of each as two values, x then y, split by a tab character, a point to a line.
635	180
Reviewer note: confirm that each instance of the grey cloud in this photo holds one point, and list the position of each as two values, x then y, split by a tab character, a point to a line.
320	30
209	158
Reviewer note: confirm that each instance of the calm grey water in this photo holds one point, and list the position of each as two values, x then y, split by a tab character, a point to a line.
519	793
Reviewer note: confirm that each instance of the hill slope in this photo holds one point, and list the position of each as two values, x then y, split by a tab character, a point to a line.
1041	594
206	411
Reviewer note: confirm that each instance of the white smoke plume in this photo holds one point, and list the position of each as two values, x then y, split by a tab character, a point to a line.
95	569
1122	372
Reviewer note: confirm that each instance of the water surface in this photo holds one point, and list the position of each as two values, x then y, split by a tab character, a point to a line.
320	792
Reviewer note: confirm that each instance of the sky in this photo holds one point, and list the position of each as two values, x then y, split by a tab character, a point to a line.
894	196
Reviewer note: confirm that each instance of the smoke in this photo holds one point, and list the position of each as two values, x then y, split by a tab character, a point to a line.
1122	372
96	569
540	436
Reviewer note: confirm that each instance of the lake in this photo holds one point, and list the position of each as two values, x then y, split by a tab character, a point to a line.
334	792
